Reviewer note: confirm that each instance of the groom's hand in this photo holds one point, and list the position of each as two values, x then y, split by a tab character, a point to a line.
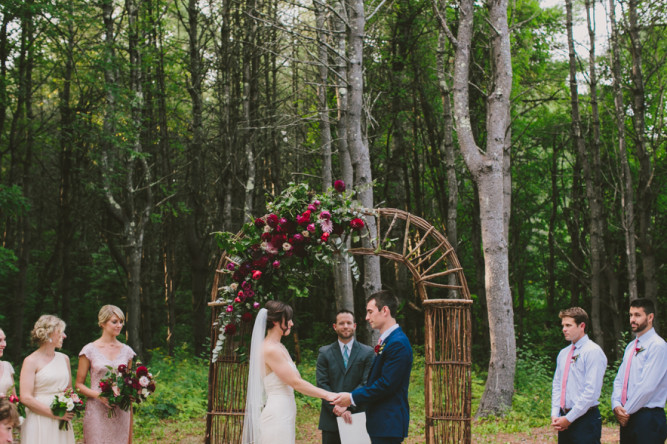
342	400
338	411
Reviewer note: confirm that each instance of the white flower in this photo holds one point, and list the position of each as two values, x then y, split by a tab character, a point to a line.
233	286
70	405
267	229
305	233
287	246
62	398
145	392
144	381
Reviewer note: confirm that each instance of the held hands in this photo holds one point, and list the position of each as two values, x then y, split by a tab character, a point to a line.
344	413
560	423
342	400
621	415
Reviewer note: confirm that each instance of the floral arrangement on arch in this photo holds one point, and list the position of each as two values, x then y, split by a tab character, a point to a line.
273	256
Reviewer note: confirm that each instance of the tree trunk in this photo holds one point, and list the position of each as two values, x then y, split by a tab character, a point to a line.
627	196
646	191
592	191
488	171
358	148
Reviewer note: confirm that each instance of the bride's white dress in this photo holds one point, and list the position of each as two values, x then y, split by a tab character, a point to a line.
278	418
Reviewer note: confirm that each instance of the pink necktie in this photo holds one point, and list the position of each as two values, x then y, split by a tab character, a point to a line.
624	393
565	373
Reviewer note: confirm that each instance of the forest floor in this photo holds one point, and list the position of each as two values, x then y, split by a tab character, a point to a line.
310	435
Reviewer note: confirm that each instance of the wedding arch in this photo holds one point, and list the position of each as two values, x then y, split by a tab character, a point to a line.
438	280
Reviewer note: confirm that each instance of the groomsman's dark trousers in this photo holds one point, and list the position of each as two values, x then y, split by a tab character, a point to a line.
385	440
330	437
586	429
645	426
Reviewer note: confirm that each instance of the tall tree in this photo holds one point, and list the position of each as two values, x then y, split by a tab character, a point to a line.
488	169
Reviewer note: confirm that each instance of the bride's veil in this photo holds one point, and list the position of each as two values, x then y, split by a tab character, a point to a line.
256	397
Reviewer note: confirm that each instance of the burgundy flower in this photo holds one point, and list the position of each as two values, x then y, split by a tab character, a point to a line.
105	387
262	262
151	387
135	384
230	329
231	266
256	274
338	229
259	222
255	305
339	186
246	285
276	264
289	226
357	224
272	220
246	317
237	276
312	207
142	370
325	215
377	349
122	369
248	294
266	236
297	238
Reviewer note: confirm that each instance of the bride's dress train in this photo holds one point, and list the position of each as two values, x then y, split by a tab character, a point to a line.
278	418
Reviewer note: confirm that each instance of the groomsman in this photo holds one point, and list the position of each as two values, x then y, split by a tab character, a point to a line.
385	395
640	387
341	367
577	382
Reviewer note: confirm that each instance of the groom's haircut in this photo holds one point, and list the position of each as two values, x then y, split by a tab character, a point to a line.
341	311
278	311
644	303
385	298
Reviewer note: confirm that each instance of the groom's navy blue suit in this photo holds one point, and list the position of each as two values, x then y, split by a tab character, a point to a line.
385	395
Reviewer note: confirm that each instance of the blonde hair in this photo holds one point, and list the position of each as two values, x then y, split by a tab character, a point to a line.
44	328
107	312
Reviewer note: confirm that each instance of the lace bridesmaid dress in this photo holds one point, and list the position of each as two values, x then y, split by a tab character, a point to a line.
98	428
278	419
6	382
50	380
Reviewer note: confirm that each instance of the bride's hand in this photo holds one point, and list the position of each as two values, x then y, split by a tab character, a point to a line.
330	396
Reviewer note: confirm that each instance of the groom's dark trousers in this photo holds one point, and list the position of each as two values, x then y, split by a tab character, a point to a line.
332	375
385	395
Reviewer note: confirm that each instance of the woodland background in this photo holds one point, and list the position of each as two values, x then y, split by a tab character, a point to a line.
131	131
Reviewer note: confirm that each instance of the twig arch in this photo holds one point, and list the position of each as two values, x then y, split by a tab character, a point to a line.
443	291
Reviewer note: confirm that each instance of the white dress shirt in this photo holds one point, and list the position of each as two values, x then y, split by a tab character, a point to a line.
647	383
584	380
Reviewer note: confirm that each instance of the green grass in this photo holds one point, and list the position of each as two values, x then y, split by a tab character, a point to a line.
177	411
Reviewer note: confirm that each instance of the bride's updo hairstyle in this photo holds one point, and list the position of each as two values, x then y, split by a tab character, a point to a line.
107	312
44	328
278	311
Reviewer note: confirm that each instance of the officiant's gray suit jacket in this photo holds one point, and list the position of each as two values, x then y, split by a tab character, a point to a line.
333	376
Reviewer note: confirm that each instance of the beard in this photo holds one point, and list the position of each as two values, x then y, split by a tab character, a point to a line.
345	336
639	327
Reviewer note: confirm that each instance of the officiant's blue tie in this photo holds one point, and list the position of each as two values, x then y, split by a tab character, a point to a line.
346	355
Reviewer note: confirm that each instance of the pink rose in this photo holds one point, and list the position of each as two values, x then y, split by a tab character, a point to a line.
230	308
311	228
256	274
276	264
255	305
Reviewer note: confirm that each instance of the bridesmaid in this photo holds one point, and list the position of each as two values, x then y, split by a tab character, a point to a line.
6	370
44	374
98	428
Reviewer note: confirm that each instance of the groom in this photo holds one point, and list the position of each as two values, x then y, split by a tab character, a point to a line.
385	395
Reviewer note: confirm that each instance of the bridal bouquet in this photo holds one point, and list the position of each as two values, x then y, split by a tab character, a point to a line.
65	402
122	386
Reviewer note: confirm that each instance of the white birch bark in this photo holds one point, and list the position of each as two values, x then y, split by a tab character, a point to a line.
488	170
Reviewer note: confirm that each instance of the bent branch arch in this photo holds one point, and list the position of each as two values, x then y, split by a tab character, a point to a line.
439	281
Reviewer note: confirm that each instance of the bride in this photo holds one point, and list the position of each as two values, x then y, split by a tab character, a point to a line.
272	379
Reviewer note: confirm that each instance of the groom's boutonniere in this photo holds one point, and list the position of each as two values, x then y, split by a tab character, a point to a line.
638	350
379	348
574	358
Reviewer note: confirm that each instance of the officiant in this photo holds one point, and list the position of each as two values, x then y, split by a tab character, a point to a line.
341	367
